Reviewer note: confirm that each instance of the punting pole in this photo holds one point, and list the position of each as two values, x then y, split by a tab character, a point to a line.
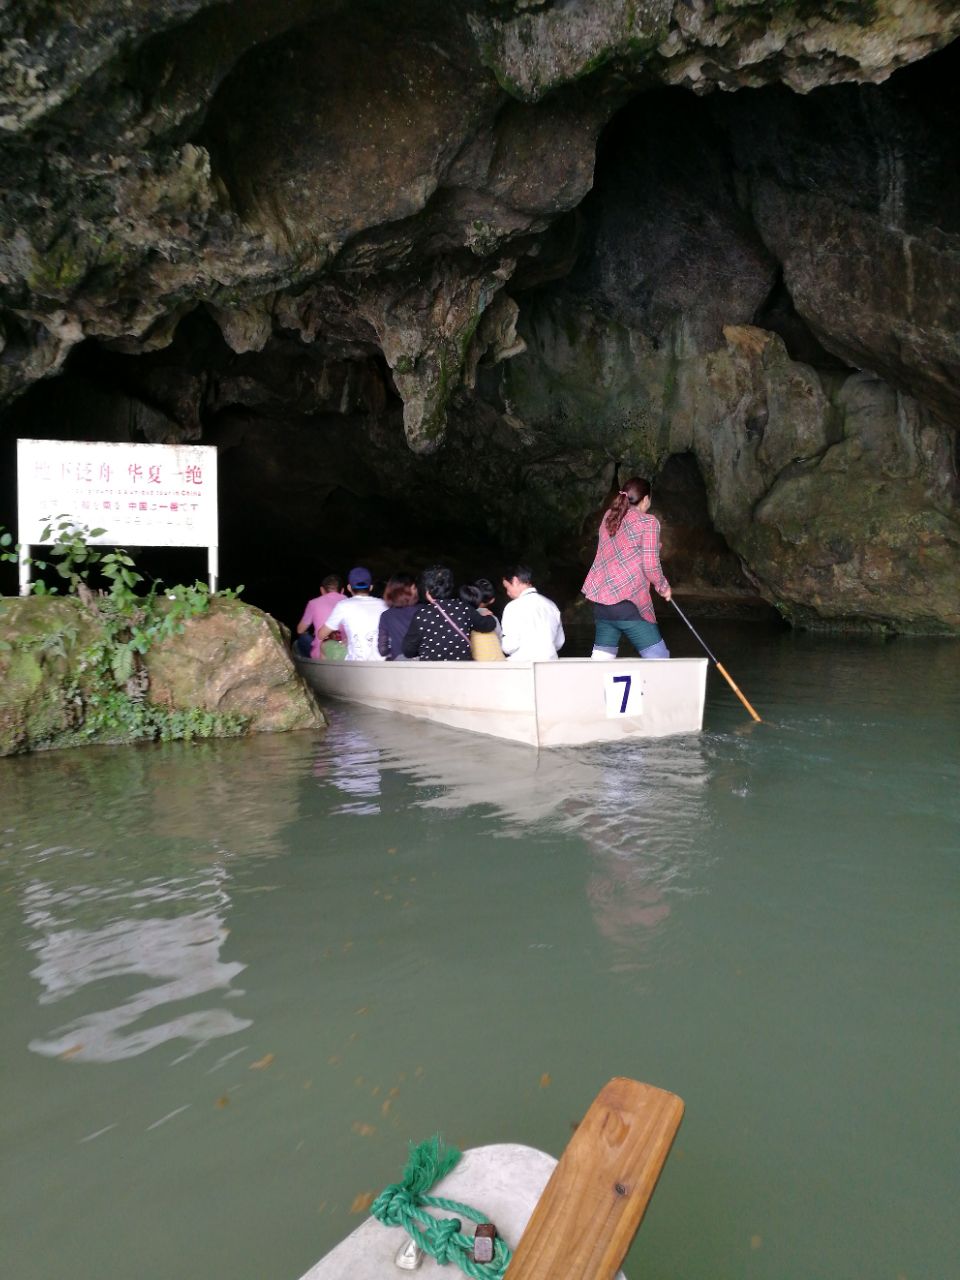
716	662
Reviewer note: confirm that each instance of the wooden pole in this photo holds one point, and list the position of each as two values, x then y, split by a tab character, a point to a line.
733	685
716	662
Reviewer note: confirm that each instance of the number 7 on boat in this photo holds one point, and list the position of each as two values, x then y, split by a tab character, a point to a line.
623	696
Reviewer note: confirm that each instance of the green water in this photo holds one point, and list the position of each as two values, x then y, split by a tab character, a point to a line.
236	978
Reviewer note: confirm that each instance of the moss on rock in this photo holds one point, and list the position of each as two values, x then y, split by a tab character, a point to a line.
228	671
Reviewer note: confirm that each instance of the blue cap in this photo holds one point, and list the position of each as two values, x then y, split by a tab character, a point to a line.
359	578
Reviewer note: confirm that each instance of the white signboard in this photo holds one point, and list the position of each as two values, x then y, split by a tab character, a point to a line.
623	696
144	495
141	495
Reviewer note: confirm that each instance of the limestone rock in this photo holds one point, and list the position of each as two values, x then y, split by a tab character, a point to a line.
858	199
703	45
522	240
233	659
38	640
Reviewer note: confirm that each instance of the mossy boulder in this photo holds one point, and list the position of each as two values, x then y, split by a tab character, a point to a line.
233	660
39	689
230	667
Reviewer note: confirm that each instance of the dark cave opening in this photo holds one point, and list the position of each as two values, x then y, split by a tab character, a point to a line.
314	472
778	313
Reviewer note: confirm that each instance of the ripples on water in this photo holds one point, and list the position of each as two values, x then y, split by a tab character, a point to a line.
237	977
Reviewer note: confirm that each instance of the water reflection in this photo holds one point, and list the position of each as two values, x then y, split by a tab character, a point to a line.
180	954
638	808
354	769
127	930
204	802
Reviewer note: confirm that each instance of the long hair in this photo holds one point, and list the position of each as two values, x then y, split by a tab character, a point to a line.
631	495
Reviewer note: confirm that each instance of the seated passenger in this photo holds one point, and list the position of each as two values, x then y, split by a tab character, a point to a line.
441	626
401	598
532	630
315	615
358	618
484	645
489	598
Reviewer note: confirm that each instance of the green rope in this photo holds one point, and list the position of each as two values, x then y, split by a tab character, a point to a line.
403	1204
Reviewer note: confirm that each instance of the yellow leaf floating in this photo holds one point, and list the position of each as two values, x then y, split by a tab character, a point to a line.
546	1080
362	1202
263	1062
756	1242
364	1130
222	1102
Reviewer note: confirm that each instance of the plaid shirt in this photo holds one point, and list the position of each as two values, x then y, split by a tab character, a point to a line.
625	566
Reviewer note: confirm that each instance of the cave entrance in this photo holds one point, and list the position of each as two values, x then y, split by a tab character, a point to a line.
702	568
315	472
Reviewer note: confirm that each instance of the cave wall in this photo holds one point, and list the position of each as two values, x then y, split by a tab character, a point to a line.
705	313
449	273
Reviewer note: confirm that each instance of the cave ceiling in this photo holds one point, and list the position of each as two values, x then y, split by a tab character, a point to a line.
479	258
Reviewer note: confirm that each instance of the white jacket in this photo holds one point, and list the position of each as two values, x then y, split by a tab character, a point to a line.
532	630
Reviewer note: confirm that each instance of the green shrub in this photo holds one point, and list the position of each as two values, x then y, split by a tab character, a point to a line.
108	688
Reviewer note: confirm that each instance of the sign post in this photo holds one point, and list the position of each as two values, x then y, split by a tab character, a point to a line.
141	495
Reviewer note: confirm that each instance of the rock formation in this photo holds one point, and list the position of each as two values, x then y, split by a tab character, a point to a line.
469	261
232	661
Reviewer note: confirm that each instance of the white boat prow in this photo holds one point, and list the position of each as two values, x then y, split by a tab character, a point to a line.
504	1181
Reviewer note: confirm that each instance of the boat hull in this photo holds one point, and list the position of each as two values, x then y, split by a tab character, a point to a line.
543	704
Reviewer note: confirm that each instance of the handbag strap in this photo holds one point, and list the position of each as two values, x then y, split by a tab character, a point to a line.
450	622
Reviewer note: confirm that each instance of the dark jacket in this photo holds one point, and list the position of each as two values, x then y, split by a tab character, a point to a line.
394	625
431	638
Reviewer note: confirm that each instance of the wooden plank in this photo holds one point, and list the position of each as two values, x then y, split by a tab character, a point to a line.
591	1208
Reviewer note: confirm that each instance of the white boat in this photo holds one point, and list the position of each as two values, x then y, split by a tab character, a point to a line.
544	704
506	1180
574	1218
